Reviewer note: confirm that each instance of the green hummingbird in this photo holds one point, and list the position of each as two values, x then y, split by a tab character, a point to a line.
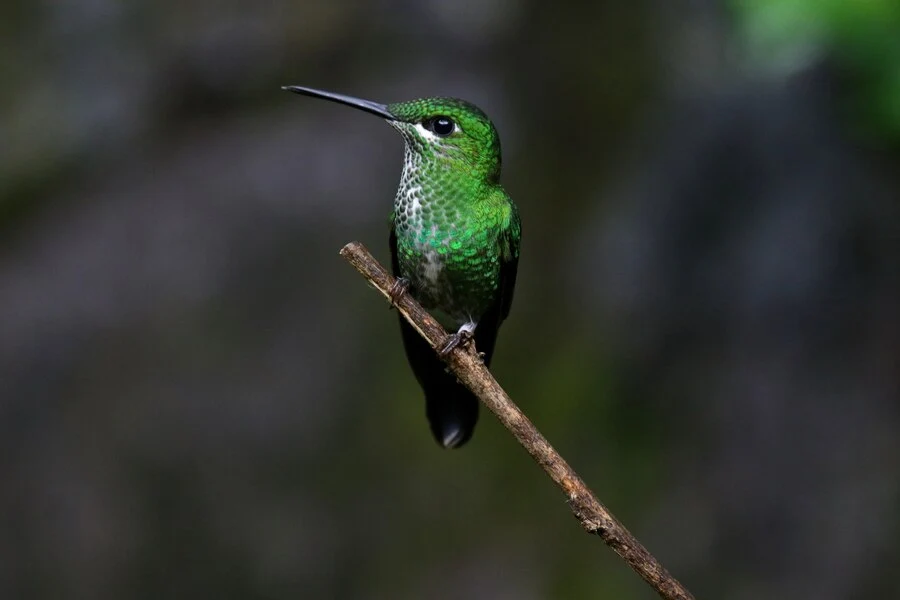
454	241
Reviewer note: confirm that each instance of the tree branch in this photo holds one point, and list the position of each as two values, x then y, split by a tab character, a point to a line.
470	370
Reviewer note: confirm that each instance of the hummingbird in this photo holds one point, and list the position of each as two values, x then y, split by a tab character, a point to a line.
454	241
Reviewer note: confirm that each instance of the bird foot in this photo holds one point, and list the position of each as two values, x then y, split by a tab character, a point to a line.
463	338
399	287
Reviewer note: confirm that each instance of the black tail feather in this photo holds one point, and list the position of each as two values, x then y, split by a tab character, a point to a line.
452	410
452	413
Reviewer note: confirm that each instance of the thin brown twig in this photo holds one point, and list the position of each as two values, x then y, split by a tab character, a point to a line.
470	370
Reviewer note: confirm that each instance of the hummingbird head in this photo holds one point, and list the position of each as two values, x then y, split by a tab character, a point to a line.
445	132
451	132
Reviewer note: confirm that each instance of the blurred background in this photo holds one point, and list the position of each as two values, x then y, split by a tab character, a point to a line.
199	398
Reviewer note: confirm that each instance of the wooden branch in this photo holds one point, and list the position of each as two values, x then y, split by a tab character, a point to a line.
470	370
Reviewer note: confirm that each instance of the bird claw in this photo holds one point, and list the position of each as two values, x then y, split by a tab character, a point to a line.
461	338
398	288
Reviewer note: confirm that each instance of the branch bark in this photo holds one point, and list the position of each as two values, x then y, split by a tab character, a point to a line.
470	370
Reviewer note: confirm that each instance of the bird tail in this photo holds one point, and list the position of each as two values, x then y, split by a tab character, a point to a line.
452	412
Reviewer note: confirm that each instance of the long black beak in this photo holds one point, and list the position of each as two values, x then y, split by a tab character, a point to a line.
370	107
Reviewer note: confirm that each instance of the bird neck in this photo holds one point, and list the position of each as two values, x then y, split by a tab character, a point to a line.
438	184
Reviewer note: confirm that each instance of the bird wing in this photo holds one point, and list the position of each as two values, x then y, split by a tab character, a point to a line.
510	238
489	324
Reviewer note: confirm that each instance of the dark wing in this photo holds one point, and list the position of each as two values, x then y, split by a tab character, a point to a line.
510	240
489	325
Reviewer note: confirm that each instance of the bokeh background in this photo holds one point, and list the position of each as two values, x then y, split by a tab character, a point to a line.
199	399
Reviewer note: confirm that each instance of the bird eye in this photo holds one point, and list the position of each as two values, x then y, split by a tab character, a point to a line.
442	126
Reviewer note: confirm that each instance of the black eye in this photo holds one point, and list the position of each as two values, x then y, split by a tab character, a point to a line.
442	126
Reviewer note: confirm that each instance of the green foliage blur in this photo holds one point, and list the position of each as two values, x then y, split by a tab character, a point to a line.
861	37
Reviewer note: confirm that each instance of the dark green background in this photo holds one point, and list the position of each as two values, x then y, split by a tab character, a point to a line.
198	398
